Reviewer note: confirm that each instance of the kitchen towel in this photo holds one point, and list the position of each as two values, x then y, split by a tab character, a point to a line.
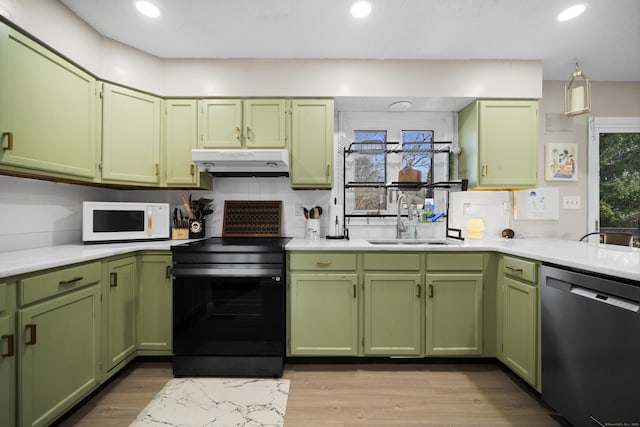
196	402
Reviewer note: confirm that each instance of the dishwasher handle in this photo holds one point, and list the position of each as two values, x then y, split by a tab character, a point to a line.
605	298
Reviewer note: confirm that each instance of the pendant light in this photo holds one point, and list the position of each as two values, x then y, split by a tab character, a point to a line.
577	94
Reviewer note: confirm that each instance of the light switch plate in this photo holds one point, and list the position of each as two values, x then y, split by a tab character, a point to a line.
571	202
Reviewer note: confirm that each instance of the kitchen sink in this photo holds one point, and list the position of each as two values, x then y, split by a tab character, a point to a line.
428	242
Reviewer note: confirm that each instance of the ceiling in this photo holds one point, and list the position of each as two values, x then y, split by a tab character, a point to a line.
605	39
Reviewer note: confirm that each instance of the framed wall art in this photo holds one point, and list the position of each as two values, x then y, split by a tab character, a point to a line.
561	162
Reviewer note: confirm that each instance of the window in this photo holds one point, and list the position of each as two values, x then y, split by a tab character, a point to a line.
369	166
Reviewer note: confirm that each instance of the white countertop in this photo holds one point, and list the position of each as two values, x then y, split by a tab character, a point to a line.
611	260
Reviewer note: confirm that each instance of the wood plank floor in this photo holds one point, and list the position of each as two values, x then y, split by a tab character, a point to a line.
353	395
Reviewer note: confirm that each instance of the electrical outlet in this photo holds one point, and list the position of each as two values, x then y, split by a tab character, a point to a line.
571	202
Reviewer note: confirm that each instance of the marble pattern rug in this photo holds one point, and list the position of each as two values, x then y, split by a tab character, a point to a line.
212	402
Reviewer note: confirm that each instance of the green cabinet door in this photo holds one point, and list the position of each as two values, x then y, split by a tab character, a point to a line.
47	111
154	317
323	314
519	326
120	284
264	123
59	354
8	347
454	314
180	137
392	314
311	143
130	136
220	123
499	140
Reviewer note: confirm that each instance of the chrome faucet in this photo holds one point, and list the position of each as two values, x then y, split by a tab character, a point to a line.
400	227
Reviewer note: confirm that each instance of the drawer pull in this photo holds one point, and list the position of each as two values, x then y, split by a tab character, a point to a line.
9	140
485	170
328	170
248	133
513	269
418	291
113	280
70	281
32	334
323	263
168	272
192	169
10	350
354	291
238	133
430	291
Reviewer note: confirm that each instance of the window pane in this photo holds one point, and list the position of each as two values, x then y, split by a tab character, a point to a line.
620	182
370	166
417	155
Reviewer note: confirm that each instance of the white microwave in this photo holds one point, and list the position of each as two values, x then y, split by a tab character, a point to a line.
124	221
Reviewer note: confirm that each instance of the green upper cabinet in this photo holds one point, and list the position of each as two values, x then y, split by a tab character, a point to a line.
180	137
311	143
238	123
130	136
47	111
499	141
220	123
265	123
392	314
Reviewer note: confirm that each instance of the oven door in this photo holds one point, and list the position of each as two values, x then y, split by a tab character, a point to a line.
228	312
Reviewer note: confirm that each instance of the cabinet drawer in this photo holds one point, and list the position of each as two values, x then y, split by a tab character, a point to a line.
455	262
520	268
392	261
41	286
322	261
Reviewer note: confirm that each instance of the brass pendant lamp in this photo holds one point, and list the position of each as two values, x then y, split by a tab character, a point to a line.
577	94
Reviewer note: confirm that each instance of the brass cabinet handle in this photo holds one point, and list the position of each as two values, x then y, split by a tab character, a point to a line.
323	263
430	291
418	291
70	281
9	140
485	170
113	280
328	169
32	334
10	350
248	133
513	269
354	290
157	169
168	272
238	133
192	169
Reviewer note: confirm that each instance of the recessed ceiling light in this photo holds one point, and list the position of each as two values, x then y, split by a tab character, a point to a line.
361	9
571	12
400	106
147	9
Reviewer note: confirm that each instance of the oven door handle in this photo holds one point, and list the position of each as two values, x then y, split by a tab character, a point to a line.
271	273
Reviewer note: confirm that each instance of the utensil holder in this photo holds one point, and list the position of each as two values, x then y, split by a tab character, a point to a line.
313	229
196	228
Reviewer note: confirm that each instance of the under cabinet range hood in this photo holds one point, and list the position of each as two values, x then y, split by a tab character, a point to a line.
241	162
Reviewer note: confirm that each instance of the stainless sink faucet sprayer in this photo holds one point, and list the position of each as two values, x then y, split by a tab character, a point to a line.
400	227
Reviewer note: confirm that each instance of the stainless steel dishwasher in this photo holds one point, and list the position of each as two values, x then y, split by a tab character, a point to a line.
591	347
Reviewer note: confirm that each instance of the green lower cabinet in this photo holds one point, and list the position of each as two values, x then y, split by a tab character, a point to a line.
154	318
120	288
59	354
454	314
519	325
7	355
392	314
323	314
